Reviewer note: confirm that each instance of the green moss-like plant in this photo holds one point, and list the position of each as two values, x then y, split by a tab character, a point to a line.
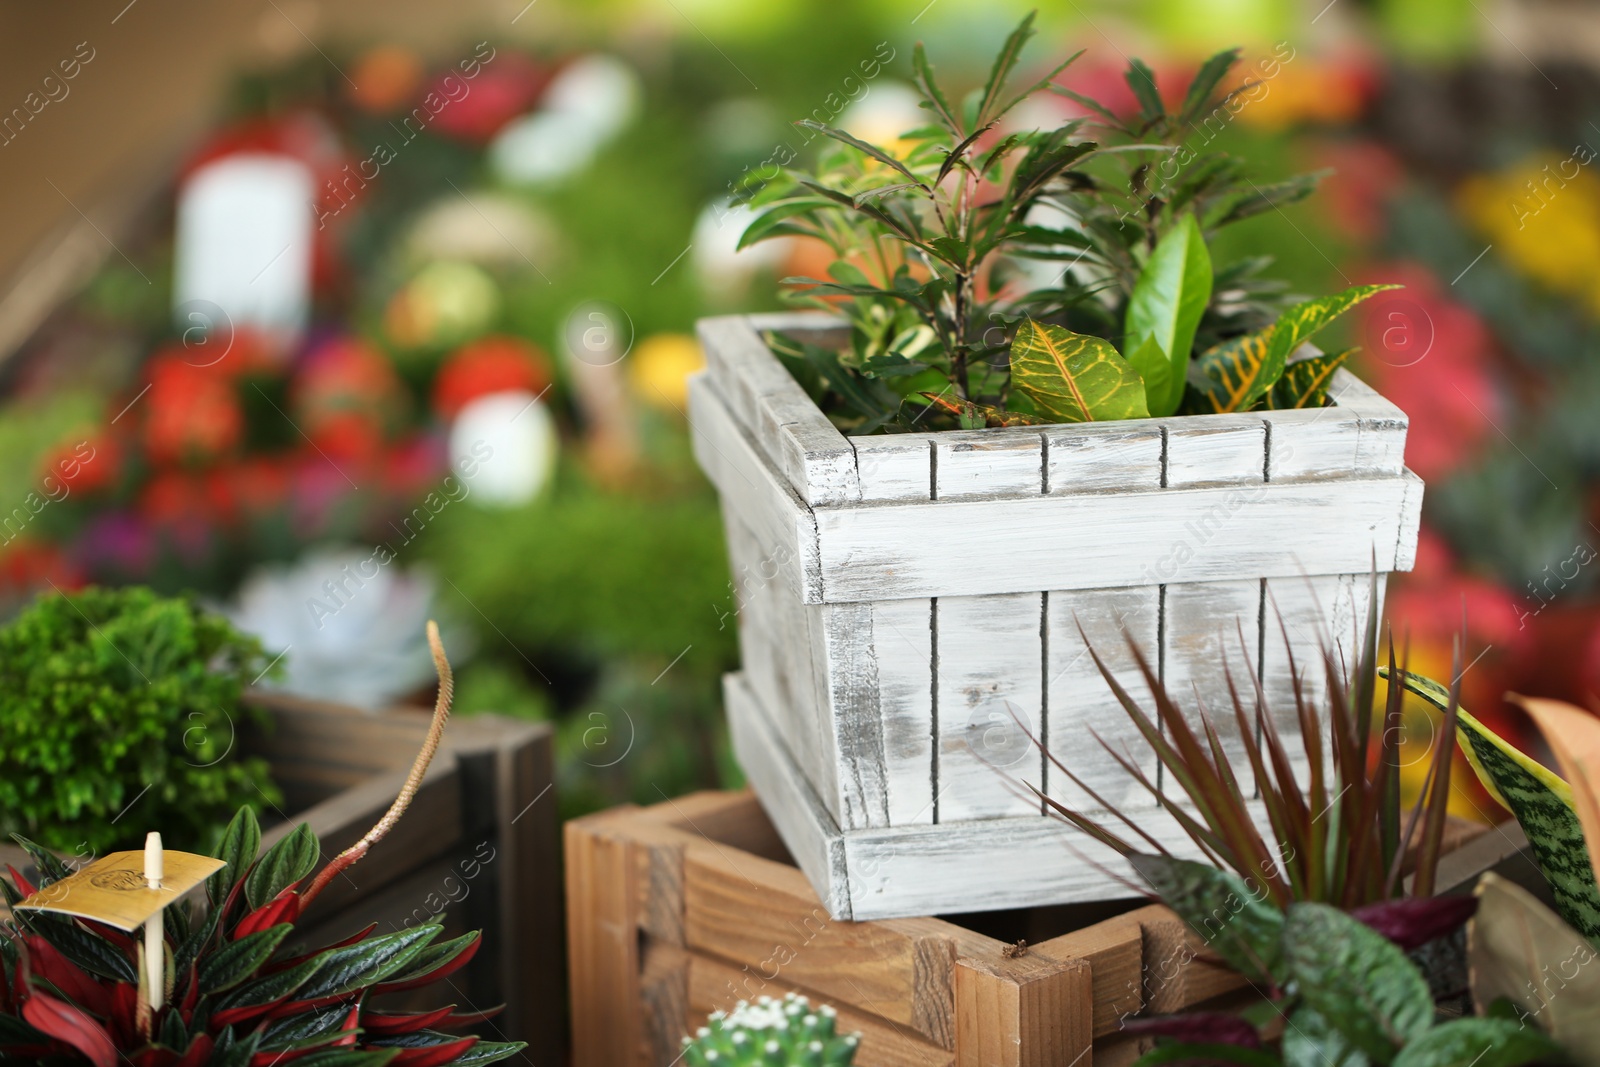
119	713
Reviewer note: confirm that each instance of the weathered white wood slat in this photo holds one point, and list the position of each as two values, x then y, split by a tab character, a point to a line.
776	650
954	547
895	467
902	635
783	527
988	463
1215	450
1103	457
1212	629
1079	702
845	665
813	455
807	829
990	662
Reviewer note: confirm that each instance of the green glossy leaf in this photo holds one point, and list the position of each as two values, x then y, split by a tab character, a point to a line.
1355	978
1479	1043
1142	80
273	987
1004	62
1190	1053
1239	371
1073	377
1090	103
229	1052
1304	383
774	222
284	864
433	957
85	948
368	962
486	1052
1205	83
1166	305
51	869
1155	369
1520	952
1300	323
338	1057
240	844
1236	923
1540	800
239	960
1310	1041
933	97
975	415
861	146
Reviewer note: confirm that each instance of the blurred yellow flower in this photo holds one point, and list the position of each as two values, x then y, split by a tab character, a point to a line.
659	369
1543	216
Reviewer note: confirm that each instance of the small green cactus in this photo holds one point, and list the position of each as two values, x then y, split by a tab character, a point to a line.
771	1033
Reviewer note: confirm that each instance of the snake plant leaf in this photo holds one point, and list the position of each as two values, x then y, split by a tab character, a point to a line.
974	415
1357	979
1236	373
1304	383
1165	306
1233	918
1542	803
1479	1043
1520	950
1574	736
1072	377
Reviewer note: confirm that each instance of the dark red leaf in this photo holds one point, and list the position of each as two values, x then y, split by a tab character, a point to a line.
24	886
352	939
124	1014
199	1053
434	975
191	995
378	1022
230	1016
350	1025
74	984
433	1055
283	908
154	1057
71	1026
1412	922
1200	1028
298	1007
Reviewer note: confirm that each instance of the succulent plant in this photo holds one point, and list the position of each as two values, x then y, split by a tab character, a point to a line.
241	991
772	1033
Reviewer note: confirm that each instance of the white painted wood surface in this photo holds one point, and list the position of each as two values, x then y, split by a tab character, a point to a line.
931	592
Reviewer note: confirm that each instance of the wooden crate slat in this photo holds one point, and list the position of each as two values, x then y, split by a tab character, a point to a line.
990	679
1103	457
988	463
1079	699
845	671
784	528
902	635
602	944
1085	541
1024	1012
895	467
1114	950
1211	630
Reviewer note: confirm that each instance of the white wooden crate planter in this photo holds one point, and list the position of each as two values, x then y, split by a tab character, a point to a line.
905	599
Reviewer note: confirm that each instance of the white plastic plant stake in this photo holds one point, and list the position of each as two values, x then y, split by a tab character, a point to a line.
154	951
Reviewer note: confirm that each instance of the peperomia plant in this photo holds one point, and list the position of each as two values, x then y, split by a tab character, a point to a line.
241	991
771	1033
945	244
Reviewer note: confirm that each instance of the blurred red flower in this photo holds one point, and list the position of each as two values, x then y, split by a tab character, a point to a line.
1365	174
1432	357
84	463
505	87
346	398
190	413
493	364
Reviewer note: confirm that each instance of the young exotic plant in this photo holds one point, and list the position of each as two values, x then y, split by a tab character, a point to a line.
771	1033
242	992
947	245
119	697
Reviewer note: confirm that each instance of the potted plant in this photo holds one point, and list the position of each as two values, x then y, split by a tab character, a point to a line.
241	987
939	493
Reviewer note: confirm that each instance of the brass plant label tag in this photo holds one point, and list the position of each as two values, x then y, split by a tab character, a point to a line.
112	889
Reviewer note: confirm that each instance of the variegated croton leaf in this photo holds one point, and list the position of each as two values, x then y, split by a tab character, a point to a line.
1073	377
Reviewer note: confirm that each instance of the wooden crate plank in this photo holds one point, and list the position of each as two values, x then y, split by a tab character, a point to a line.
603	941
1024	1012
1093	540
895	466
1102	457
902	635
1212	629
718	986
844	664
663	1002
765	919
728	818
752	490
1078	699
805	825
989	680
814	457
1178	972
988	463
1114	950
1215	450
781	661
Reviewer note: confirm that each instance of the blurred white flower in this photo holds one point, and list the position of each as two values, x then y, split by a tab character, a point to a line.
888	110
600	89
718	261
350	624
483	228
591	101
509	441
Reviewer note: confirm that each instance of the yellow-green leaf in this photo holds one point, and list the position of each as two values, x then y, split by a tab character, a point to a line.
1541	801
1072	377
1239	371
1304	383
1574	736
1297	325
974	413
1520	950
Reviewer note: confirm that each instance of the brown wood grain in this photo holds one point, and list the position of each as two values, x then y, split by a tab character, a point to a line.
1027	1011
602	941
1114	950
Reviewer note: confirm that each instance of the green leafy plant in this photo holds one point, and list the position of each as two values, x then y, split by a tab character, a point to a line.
241	990
1339	837
772	1033
934	236
119	696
